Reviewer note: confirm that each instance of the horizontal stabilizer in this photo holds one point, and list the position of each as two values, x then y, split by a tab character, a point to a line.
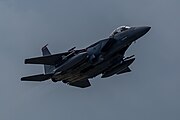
81	84
38	78
47	60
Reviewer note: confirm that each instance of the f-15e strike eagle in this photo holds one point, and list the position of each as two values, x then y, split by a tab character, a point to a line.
75	67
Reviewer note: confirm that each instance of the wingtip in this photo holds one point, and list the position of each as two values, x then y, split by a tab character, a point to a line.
44	46
25	61
22	79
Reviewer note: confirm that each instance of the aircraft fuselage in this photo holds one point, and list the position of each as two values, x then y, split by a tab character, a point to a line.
75	67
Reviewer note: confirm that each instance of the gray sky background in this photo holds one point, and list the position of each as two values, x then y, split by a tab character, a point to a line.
150	92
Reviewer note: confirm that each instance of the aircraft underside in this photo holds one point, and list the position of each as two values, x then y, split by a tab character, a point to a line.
86	70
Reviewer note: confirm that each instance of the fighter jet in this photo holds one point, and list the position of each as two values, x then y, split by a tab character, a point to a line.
76	67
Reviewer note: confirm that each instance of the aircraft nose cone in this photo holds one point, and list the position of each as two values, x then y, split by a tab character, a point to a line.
145	29
142	30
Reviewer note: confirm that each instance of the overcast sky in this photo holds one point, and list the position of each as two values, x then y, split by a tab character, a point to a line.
150	92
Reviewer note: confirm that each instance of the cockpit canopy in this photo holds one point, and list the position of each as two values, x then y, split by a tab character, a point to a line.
120	29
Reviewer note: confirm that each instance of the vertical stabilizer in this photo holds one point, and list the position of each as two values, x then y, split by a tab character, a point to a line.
47	68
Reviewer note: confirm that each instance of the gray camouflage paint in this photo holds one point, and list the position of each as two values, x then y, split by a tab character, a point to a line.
150	91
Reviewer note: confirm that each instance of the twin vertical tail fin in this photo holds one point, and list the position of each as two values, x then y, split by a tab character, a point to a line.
48	69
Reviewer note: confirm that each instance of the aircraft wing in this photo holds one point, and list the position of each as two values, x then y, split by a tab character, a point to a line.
81	84
47	60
